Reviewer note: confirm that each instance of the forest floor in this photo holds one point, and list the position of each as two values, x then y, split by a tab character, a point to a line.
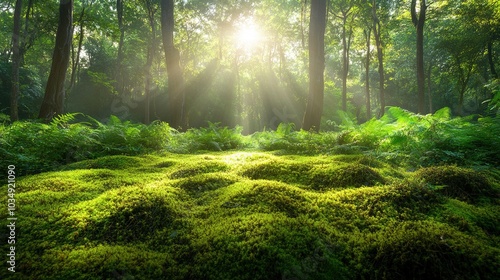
255	215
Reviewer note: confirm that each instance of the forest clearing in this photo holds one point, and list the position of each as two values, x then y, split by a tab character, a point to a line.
250	139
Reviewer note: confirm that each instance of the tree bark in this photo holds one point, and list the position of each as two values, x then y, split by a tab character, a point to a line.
494	73
174	72
149	63
418	22
76	61
317	26
380	57
53	101
119	58
367	75
16	62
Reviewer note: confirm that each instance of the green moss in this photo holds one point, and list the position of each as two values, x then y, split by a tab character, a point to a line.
279	170
262	246
102	262
456	182
246	215
425	250
199	184
269	197
198	166
119	215
343	175
110	162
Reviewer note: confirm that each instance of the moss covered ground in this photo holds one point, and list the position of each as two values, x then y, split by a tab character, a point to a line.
256	215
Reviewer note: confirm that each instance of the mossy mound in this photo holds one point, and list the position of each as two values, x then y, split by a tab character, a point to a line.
426	250
119	215
343	175
268	197
199	184
279	170
111	162
262	246
102	262
198	166
457	182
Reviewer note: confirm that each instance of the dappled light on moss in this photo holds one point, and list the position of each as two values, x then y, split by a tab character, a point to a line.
258	215
342	176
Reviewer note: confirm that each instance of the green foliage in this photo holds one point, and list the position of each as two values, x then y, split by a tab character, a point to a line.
214	138
35	147
400	136
430	139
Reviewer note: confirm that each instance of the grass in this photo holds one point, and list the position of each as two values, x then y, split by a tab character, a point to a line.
256	215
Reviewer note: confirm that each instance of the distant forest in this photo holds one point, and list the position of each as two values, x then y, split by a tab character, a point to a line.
255	64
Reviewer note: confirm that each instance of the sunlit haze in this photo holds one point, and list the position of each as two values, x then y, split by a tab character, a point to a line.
248	35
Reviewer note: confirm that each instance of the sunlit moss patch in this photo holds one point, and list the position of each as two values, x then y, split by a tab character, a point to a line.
197	166
117	215
256	215
344	175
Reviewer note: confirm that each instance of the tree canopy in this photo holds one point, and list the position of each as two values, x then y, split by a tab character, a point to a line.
239	62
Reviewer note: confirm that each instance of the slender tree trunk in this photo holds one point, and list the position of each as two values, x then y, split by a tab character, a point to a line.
429	88
314	107
345	64
119	59
149	63
367	75
174	72
53	102
418	22
27	38
494	73
380	57
16	62
76	61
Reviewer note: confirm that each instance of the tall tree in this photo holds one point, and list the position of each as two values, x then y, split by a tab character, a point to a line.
119	72
418	20
151	10
347	13
53	101
174	71
367	33
380	56
317	26
16	62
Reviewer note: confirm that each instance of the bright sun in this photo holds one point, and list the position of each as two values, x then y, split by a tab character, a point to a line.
248	35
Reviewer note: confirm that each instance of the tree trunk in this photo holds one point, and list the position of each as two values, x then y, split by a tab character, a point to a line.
429	88
119	58
174	72
380	56
314	107
149	63
27	38
76	61
53	101
16	62
419	22
494	73
345	64
367	75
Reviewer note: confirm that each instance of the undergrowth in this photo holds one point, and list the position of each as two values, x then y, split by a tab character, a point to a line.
399	137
